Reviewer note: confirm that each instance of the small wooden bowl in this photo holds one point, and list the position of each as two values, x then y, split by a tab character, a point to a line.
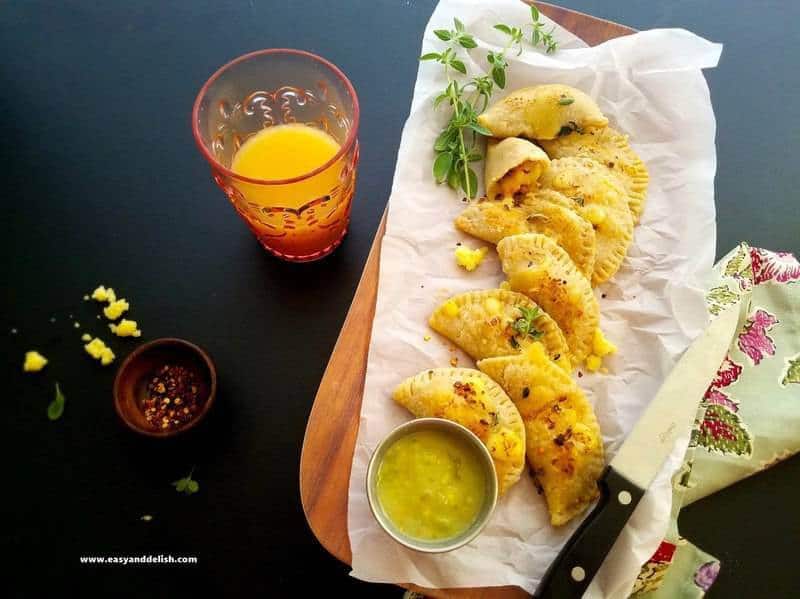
130	385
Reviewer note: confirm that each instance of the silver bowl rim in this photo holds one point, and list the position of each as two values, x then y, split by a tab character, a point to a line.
492	487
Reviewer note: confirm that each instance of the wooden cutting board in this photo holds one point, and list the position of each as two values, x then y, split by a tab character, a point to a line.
333	423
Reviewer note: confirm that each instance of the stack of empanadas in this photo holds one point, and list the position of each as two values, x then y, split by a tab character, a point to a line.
561	212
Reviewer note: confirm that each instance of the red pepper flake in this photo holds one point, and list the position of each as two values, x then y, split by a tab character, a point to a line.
464	390
173	397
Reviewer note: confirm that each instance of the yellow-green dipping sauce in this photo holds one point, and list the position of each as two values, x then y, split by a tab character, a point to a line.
431	485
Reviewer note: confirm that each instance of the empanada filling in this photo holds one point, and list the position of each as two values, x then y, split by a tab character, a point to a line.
520	179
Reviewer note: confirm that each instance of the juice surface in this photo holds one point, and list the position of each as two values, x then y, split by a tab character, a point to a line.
431	485
284	152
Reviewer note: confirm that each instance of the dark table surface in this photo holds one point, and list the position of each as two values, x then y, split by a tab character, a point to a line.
103	184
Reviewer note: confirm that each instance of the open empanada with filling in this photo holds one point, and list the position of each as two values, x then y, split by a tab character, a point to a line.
475	401
564	444
547	212
600	197
513	166
542	112
497	322
538	267
610	148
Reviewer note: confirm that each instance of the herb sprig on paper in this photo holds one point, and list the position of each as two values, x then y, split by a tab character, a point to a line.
456	147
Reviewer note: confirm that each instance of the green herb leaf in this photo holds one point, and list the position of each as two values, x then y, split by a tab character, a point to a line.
535	37
453	179
442	166
480	129
565	100
443	34
467	41
430	56
504	28
499	76
56	407
534	13
459	66
444	140
459	25
187	484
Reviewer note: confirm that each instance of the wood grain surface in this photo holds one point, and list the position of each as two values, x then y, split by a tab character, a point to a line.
333	423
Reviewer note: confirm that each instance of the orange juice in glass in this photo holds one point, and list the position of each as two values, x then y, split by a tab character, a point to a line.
279	130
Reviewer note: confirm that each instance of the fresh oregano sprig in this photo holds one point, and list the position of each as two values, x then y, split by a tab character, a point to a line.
456	146
539	35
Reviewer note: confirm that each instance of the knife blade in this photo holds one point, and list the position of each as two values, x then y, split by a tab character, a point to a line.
639	459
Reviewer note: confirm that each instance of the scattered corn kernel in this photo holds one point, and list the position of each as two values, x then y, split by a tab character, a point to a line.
454	361
34	361
115	309
126	328
101	294
602	346
86	337
99	351
470	259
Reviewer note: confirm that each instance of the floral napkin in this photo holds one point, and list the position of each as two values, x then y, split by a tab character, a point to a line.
749	418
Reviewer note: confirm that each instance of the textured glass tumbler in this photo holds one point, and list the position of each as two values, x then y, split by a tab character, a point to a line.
305	217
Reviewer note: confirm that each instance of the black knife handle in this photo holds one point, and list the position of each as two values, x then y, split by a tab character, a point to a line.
580	559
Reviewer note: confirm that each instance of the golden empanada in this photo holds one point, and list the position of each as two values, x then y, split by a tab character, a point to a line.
600	197
492	220
512	166
538	267
564	445
542	112
475	401
610	148
485	324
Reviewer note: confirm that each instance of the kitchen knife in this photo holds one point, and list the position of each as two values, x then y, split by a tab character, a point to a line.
670	414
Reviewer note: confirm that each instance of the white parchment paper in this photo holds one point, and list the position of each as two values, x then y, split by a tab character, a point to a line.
651	87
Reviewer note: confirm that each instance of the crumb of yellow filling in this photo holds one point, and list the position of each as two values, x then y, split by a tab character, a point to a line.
86	337
126	328
34	361
505	285
520	178
601	347
99	351
470	259
101	294
116	309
